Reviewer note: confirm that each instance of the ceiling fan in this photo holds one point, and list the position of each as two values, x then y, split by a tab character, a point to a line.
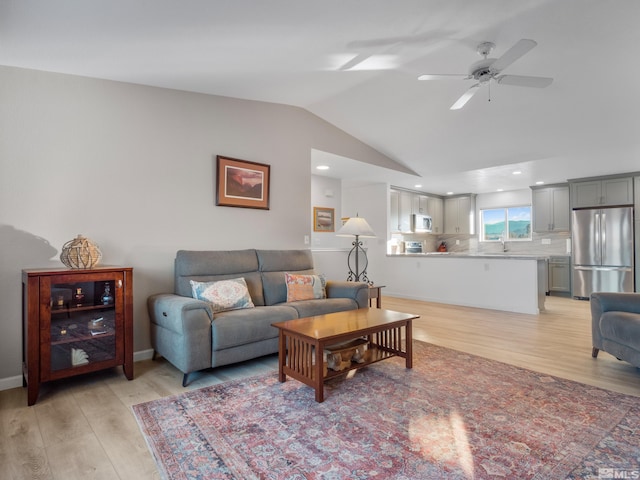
487	69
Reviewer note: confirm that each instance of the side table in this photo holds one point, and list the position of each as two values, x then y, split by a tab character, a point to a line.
375	291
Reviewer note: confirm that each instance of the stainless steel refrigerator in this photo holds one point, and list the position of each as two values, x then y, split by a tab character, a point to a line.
602	250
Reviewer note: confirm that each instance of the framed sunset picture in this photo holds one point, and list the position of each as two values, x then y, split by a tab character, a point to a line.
241	183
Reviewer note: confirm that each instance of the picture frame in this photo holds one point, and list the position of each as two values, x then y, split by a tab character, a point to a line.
324	219
241	183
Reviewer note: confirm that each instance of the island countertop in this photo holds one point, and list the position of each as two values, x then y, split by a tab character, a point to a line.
501	281
505	255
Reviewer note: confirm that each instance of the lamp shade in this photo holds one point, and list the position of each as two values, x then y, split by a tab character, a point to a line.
356	226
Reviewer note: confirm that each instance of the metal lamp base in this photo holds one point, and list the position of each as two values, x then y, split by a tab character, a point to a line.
357	253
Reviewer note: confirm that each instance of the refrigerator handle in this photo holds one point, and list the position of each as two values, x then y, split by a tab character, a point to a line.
598	240
603	231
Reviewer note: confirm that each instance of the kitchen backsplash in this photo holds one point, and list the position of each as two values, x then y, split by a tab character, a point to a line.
554	244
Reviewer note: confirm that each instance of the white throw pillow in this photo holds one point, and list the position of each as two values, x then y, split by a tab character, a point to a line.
223	295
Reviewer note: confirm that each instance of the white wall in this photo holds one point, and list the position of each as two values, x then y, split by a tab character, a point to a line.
132	167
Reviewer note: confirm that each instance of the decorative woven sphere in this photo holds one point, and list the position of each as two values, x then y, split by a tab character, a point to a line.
80	252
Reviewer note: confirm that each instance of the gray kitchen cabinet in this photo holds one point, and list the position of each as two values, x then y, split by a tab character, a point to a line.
400	209
560	274
459	214
551	210
603	192
435	209
421	204
394	219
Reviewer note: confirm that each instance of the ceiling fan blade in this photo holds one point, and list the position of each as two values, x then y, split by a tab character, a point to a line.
443	76
466	96
524	81
513	54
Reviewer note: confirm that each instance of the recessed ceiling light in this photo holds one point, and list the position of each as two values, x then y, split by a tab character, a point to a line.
517	172
322	167
449	193
500	190
539	182
418	186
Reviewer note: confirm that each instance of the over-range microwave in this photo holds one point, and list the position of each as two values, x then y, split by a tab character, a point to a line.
421	223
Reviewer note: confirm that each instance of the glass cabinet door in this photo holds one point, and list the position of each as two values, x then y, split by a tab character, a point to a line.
85	317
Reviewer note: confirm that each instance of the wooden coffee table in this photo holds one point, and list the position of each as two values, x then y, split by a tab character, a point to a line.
304	340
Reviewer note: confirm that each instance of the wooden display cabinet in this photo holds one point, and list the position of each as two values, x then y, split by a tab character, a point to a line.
75	322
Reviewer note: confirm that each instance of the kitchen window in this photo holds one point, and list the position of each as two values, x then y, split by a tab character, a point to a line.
505	224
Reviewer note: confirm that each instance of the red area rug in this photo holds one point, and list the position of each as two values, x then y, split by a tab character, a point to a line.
453	415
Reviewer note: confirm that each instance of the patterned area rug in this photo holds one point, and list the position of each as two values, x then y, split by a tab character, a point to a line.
453	415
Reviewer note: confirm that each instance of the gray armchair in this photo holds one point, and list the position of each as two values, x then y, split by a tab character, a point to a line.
615	325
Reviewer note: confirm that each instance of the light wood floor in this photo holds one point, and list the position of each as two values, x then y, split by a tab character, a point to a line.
83	428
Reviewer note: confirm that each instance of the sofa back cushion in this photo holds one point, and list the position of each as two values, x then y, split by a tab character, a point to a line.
274	264
210	266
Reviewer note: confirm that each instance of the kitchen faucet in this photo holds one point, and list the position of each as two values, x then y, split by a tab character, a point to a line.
504	245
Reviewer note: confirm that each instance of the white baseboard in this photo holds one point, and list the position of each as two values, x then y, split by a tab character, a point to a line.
10	382
15	382
143	355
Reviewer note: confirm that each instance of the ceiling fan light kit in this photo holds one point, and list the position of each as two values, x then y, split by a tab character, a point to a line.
487	69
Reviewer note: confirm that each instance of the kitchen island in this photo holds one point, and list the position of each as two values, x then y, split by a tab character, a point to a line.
499	281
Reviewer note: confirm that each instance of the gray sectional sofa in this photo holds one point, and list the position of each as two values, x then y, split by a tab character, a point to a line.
188	333
615	325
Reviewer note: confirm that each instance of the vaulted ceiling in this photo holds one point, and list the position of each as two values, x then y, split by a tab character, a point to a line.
355	63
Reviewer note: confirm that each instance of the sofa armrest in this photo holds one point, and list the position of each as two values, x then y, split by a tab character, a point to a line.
358	291
609	301
179	314
181	331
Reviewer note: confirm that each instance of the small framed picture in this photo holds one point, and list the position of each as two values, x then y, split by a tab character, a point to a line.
323	219
240	183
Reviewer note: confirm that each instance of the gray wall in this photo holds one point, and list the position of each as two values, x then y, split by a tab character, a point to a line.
132	167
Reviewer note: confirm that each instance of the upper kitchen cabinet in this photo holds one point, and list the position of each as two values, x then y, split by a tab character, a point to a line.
459	214
551	210
420	204
400	211
602	192
435	209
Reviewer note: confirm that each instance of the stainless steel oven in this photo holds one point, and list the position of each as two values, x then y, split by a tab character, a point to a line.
413	247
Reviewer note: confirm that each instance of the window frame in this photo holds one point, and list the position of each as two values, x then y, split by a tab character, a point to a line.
506	223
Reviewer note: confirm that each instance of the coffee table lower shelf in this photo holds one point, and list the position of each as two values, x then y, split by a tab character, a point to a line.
301	354
307	375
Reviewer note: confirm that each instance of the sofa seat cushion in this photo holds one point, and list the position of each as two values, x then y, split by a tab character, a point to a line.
311	308
240	327
623	327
